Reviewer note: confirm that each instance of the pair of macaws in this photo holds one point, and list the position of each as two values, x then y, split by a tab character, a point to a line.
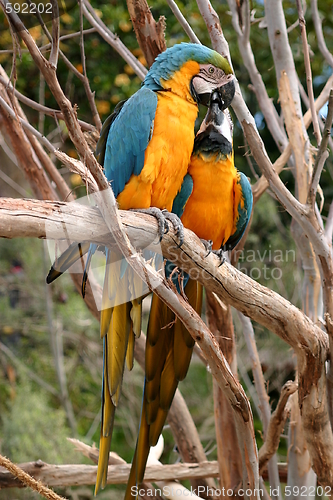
153	161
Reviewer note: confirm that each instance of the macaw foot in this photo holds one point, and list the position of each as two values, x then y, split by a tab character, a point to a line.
163	217
177	225
208	244
220	255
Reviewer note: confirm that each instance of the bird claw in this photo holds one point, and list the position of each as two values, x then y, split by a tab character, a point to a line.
177	225
163	218
208	244
163	226
220	255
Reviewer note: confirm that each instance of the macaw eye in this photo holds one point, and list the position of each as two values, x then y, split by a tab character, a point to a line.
211	70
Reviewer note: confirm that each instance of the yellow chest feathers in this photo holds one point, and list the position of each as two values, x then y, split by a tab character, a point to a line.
167	155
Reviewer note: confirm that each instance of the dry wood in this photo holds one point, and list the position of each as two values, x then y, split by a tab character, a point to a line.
228	453
276	425
22	477
78	475
308	72
27	218
150	34
265	410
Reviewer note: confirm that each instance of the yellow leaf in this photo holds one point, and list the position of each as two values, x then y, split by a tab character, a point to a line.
7	330
35	32
79	67
125	26
66	18
103	107
142	60
76	180
72	153
115	99
129	70
121	80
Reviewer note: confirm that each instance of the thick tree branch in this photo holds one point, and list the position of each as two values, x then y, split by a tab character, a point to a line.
150	34
27	218
76	475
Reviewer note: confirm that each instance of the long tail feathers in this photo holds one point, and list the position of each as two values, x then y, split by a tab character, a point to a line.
169	349
73	253
120	323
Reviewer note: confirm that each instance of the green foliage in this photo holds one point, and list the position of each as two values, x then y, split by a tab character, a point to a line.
32	429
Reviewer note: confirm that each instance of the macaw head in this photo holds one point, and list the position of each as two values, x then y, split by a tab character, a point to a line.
192	68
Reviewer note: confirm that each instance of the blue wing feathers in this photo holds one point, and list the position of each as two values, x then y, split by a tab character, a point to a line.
128	138
244	213
183	195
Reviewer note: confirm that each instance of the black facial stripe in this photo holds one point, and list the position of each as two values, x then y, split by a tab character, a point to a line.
211	141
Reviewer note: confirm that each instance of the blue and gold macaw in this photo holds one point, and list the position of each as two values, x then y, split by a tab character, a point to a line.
215	201
145	149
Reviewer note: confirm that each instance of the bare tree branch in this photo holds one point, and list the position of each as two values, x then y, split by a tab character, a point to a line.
319	32
28	480
76	475
308	72
322	154
150	34
276	425
259	382
182	21
89	93
266	104
53	60
43	109
113	40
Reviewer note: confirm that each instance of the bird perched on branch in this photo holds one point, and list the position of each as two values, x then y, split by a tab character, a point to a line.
145	148
215	201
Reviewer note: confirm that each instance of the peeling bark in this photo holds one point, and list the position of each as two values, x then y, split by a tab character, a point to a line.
150	34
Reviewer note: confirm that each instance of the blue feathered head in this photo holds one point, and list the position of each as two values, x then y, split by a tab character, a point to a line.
171	60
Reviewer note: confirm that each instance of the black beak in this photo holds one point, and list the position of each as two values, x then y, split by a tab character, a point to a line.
227	93
215	110
204	99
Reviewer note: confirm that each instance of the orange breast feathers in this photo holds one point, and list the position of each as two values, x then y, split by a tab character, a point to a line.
169	150
212	210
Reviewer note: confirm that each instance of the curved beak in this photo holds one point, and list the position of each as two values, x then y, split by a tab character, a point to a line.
215	110
226	90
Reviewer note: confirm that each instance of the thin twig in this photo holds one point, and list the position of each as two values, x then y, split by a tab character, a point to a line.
53	59
89	93
276	425
329	225
182	21
28	480
27	126
5	178
113	40
319	33
308	72
322	154
43	48
43	109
